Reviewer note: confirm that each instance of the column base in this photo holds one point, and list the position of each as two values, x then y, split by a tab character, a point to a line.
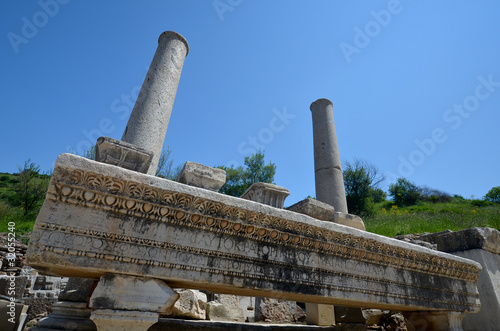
69	316
117	320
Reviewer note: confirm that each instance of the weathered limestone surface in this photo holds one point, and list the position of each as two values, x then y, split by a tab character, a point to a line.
348	220
217	311
196	238
199	175
268	194
148	122
314	208
67	315
327	164
278	311
132	293
172	324
481	245
122	154
487	239
323	315
192	304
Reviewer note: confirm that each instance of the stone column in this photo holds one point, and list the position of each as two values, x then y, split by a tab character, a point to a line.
122	302
327	166
147	125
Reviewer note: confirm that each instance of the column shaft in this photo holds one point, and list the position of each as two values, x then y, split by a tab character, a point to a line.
328	171
147	125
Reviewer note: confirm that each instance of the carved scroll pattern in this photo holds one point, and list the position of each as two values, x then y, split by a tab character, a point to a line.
140	200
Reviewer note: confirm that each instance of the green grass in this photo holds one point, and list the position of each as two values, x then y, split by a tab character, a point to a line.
23	224
391	220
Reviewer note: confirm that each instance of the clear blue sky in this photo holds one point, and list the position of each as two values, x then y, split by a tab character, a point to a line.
415	84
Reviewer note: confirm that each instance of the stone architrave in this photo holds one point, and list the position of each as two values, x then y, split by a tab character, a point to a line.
148	122
327	165
195	238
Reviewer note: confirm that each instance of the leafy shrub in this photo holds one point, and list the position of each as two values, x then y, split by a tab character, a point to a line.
378	195
481	203
433	195
404	192
493	195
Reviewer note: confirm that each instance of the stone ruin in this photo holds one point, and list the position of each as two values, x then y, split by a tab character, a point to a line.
128	239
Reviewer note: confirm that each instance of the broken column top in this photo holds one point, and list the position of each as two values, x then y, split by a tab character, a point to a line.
174	34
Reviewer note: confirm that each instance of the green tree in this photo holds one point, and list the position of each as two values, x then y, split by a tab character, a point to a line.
30	190
404	192
493	195
166	167
239	179
361	179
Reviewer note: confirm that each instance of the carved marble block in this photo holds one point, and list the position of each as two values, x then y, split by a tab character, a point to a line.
98	219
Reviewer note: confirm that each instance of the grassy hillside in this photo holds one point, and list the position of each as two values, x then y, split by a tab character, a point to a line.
390	220
11	209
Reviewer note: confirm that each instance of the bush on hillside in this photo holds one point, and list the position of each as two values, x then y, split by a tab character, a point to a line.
404	192
493	195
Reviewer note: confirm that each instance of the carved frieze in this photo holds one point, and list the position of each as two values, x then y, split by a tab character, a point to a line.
98	218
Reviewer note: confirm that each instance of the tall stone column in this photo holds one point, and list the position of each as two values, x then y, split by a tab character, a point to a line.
147	125
327	165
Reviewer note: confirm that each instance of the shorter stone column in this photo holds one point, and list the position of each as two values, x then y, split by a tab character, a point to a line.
123	302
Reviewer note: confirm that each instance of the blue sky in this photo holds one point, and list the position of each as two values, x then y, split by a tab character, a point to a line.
415	84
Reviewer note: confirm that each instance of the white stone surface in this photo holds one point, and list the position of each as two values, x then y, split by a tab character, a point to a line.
199	175
191	304
314	208
133	293
100	219
148	122
268	194
349	220
217	311
123	320
488	318
318	314
327	165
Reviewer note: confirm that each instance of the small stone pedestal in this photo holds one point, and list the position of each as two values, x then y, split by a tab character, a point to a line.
130	303
70	312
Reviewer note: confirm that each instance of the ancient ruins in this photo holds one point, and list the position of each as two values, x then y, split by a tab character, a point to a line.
141	236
